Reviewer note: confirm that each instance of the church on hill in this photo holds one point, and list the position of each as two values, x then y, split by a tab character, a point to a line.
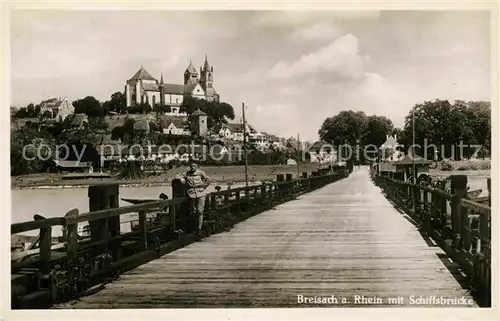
144	88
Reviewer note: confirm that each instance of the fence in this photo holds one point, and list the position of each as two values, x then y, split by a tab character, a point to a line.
464	232
79	265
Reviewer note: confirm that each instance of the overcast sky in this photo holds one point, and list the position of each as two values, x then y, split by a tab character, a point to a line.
293	69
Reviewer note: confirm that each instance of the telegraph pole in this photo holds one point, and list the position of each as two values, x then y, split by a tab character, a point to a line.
413	152
245	143
298	156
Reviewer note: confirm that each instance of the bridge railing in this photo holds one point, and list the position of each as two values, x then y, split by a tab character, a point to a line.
463	231
56	272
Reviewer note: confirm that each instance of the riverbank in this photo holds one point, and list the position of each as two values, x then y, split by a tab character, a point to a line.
218	174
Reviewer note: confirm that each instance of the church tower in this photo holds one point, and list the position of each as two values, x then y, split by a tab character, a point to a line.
207	75
160	88
190	75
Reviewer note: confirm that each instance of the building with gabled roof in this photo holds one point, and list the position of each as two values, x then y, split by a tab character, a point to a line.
142	87
174	125
58	109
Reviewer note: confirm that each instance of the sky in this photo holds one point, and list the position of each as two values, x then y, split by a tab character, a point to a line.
291	69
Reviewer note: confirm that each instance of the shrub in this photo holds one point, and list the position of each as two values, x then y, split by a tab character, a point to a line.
446	165
474	165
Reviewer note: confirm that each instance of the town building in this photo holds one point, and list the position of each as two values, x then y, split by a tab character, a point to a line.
322	152
144	88
389	149
175	125
56	108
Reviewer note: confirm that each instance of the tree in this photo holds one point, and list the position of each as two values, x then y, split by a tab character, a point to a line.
89	106
106	107
33	142
31	110
217	112
447	126
22	113
118	102
377	129
347	127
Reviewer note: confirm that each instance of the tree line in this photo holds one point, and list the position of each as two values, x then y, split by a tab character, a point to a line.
442	123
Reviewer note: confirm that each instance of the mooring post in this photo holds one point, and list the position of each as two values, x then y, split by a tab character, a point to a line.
102	197
459	191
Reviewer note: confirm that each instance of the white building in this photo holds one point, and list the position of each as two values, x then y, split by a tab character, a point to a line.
57	108
144	88
322	153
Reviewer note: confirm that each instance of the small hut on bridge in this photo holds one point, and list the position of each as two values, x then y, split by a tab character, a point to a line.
404	167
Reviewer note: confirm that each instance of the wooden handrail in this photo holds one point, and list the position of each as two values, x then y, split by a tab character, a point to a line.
36	225
464	233
476	207
71	260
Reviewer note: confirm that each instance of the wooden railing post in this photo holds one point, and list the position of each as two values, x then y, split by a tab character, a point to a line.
424	215
181	213
289	186
143	230
103	197
459	191
72	251
238	202
488	184
45	248
214	215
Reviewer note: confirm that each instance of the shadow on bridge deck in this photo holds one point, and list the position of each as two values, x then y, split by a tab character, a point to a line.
345	240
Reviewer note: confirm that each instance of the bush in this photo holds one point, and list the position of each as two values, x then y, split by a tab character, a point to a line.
446	165
474	165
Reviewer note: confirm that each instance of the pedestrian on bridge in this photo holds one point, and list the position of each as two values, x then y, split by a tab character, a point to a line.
197	182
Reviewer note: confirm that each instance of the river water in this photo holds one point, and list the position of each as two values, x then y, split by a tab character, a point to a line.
57	202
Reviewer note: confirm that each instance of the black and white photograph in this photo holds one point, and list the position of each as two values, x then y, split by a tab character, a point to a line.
251	159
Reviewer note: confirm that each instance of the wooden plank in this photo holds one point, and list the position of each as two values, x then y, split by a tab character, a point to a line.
343	239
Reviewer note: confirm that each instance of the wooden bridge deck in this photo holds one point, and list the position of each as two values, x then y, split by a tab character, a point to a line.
344	239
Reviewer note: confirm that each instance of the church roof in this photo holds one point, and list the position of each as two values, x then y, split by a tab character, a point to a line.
150	86
142	74
206	65
191	69
173	89
189	88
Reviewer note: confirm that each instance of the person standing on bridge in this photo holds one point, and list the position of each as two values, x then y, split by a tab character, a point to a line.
197	182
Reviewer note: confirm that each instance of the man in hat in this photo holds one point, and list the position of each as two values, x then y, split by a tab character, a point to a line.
197	182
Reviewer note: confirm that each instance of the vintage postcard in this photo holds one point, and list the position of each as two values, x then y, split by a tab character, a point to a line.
198	159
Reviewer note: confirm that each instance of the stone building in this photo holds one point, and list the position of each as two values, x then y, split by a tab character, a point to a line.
57	108
144	88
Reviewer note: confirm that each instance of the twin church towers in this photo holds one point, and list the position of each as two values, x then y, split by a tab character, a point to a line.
144	88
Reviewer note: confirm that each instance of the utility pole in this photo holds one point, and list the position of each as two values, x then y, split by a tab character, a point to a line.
298	156
245	143
413	154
